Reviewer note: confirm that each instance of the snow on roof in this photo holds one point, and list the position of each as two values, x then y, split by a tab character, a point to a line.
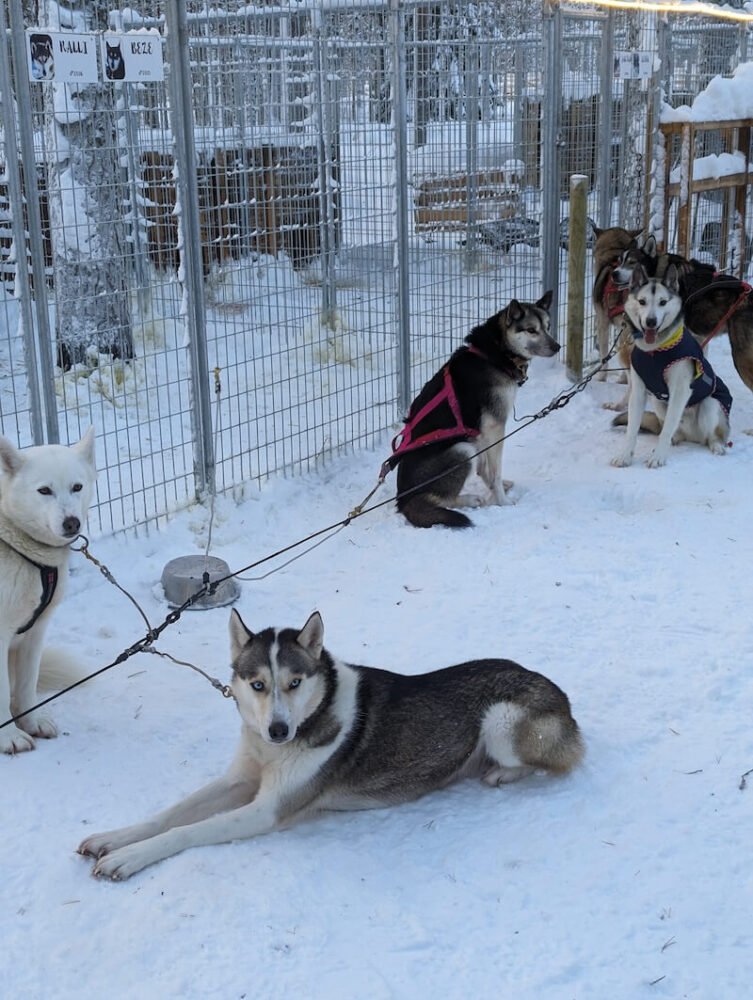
723	99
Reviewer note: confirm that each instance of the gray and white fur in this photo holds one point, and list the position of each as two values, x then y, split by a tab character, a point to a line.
320	734
653	310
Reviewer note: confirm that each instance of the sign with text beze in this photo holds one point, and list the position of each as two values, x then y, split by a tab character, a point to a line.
62	56
134	56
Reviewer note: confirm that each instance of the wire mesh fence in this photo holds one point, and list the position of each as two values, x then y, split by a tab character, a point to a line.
243	238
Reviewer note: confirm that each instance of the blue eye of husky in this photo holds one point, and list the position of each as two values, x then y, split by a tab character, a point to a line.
294	683
257	685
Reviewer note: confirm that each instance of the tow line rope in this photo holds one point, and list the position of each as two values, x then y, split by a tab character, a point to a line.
146	643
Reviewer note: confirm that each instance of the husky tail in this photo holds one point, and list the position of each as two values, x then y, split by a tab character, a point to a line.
423	512
59	669
550	740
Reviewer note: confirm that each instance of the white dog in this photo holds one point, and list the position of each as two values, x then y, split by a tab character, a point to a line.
45	493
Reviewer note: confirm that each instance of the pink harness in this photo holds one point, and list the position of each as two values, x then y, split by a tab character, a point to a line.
404	441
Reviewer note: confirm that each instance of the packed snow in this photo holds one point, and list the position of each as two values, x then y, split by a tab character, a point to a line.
629	878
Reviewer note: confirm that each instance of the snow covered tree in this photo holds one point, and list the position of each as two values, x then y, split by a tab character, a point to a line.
86	197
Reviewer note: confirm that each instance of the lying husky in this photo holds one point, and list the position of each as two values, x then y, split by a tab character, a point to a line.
319	734
463	410
691	402
45	493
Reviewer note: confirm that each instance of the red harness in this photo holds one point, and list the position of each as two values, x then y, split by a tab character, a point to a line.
746	289
614	297
404	442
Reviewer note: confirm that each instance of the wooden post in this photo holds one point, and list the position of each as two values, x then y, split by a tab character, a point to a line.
576	276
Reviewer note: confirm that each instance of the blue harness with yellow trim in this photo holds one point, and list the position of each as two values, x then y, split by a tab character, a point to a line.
651	366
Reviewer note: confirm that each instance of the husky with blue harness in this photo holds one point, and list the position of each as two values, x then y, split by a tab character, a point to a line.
691	402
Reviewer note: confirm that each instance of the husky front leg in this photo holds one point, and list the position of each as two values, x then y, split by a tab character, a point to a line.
24	663
12	739
636	405
602	339
490	442
678	379
251	820
231	791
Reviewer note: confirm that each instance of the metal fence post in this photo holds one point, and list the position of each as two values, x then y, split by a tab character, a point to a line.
399	125
604	168
550	158
34	309
471	141
191	270
325	148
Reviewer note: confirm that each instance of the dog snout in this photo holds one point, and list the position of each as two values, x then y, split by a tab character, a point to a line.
278	731
651	322
71	526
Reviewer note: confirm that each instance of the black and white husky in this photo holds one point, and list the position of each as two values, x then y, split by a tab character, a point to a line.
691	402
450	453
319	734
114	64
42	57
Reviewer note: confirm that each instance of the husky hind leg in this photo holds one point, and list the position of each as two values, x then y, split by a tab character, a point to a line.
708	424
437	478
740	327
518	742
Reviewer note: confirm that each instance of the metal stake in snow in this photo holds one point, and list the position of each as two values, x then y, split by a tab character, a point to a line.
183	576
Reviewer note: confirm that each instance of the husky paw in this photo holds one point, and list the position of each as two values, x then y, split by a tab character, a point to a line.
38	725
656	459
100	844
618	406
122	863
716	447
14	740
506	775
622	460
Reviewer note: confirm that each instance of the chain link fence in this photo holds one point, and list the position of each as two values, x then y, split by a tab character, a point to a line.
252	234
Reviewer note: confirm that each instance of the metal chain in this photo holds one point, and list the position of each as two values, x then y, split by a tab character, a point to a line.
146	644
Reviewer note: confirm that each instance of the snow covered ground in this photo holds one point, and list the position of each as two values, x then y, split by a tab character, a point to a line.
630	878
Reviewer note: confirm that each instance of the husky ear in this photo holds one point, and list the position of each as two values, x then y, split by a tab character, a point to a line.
650	247
11	459
594	228
85	447
515	311
311	636
672	279
239	635
638	277
634	233
545	301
